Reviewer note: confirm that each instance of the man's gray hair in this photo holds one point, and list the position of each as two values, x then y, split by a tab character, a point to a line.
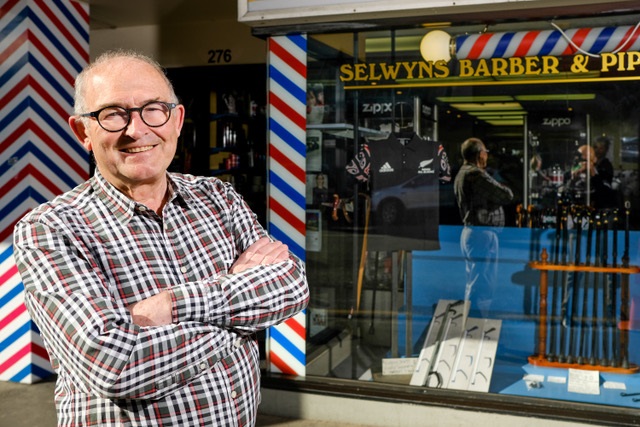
471	148
80	106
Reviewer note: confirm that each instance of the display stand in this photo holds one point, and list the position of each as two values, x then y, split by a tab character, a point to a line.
619	363
404	260
459	352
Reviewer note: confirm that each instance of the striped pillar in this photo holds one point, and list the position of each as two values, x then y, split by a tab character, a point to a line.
287	59
548	42
43	45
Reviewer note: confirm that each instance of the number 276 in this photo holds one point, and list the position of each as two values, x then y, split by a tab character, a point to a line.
217	56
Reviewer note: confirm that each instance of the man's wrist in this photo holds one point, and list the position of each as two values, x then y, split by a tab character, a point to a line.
189	301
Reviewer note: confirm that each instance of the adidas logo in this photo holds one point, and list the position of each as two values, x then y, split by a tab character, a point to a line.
386	168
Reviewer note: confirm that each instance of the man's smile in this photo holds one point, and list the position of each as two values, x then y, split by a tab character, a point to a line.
138	149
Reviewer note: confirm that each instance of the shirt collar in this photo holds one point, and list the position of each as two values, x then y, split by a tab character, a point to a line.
123	207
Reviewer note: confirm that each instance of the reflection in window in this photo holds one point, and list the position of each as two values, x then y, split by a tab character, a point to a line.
379	299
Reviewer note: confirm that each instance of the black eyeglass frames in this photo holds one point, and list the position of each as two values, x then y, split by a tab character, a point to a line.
114	118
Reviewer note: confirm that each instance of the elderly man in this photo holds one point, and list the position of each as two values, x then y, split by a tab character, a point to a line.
480	199
148	286
592	175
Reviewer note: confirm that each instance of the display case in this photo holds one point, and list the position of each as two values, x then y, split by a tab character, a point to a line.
392	302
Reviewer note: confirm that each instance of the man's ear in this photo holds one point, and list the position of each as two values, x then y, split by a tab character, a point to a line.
180	112
79	129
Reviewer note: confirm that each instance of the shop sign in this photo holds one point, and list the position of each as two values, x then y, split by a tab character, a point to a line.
285	12
493	67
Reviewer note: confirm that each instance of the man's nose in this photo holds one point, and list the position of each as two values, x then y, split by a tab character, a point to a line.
135	122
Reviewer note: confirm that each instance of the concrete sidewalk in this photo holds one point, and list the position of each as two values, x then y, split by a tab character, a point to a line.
31	405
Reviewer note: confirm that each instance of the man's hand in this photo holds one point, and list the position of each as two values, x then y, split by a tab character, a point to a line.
262	252
153	311
156	310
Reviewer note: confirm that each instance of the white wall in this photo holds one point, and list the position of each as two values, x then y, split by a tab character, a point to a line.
143	39
182	45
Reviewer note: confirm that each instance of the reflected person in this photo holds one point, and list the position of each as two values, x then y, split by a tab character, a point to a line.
148	286
588	184
606	197
320	190
480	201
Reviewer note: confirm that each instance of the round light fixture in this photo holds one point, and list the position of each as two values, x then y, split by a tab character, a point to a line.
435	46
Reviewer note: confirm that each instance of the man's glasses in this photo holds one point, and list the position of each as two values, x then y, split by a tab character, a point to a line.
114	119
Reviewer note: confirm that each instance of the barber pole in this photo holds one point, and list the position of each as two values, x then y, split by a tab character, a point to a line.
287	72
547	42
43	45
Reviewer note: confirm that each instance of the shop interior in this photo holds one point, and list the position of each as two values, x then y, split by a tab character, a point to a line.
224	133
378	299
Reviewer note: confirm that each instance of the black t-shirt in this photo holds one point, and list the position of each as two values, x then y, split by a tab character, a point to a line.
404	176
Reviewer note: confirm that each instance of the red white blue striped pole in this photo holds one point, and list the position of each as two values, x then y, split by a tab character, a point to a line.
43	45
548	42
287	70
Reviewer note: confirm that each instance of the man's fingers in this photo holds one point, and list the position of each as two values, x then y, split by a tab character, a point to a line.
265	248
281	253
259	244
276	253
272	249
262	252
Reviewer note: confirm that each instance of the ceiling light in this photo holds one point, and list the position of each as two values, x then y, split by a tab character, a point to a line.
498	117
493	112
557	97
436	24
492	98
514	122
487	106
383	44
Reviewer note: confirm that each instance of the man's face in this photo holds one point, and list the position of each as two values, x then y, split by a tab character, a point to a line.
583	154
587	154
482	157
139	154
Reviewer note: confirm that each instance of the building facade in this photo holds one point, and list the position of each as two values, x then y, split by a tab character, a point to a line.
411	298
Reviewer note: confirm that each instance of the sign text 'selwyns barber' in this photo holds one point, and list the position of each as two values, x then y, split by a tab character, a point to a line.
493	67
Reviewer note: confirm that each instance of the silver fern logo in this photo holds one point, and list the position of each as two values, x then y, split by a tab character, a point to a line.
425	167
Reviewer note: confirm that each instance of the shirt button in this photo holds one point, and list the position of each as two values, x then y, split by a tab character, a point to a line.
183	269
234	394
203	366
142	208
237	343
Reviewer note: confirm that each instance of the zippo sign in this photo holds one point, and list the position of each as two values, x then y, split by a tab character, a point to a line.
556	120
379	107
376	108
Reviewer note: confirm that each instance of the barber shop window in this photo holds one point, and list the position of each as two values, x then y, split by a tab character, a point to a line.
506	264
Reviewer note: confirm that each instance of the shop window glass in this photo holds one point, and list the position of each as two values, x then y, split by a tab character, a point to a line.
390	260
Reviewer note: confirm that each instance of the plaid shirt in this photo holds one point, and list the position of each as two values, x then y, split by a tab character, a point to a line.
480	197
90	253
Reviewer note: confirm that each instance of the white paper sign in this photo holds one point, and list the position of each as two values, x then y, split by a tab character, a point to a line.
584	382
402	366
557	380
614	385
